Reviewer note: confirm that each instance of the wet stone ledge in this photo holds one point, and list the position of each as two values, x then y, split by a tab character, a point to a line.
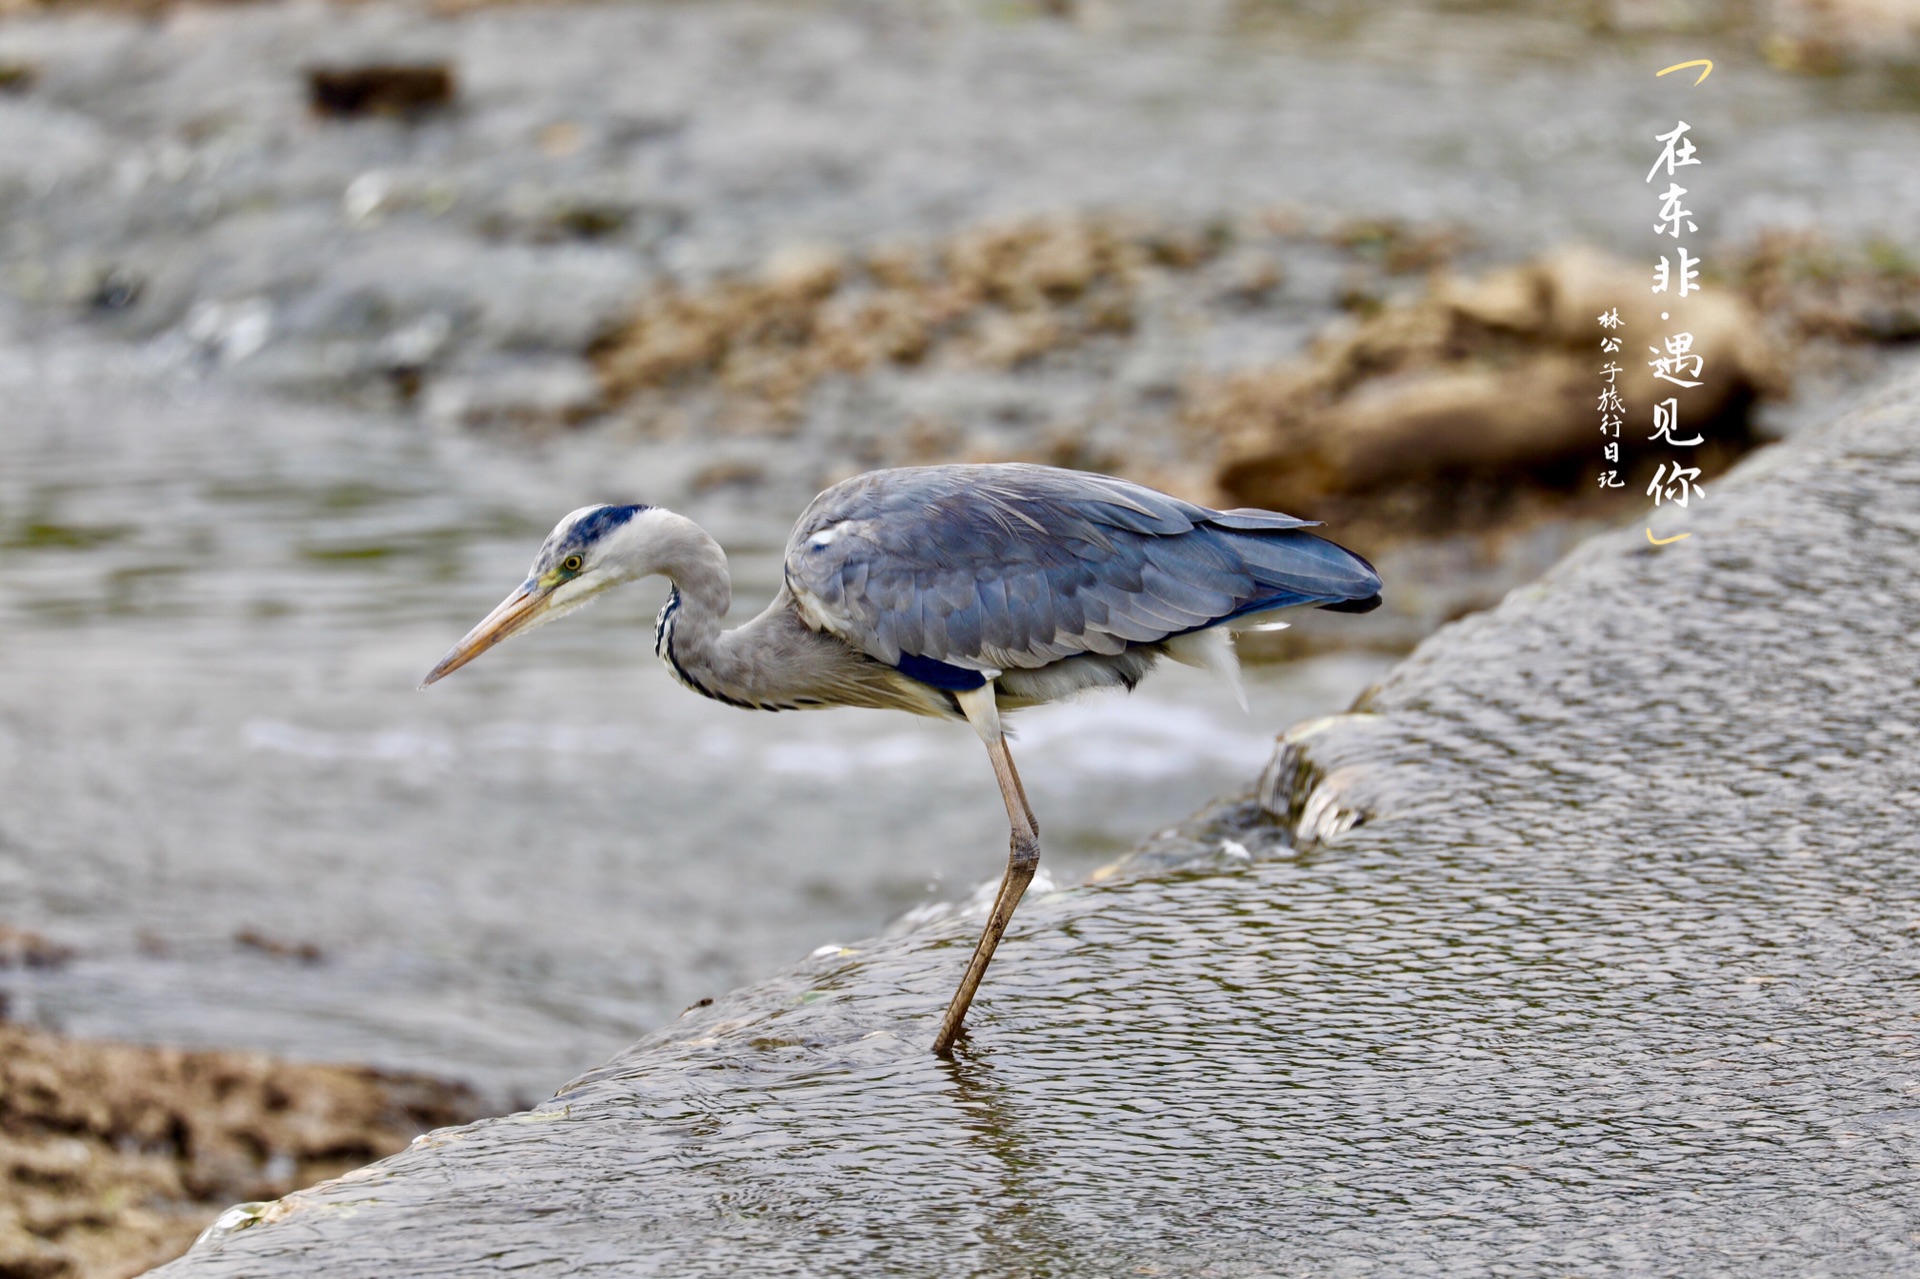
1588	947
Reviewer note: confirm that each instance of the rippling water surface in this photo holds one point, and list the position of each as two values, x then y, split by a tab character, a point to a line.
213	625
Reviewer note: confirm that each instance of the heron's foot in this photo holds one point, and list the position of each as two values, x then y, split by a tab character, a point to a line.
1023	859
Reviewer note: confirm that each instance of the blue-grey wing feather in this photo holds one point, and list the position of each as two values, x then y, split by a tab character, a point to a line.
1013	566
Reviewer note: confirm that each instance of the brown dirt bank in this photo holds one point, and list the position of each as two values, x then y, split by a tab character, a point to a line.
997	297
1472	407
1444	418
114	1156
1444	413
1463	404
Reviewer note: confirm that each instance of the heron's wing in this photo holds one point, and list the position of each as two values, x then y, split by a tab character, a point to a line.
1013	566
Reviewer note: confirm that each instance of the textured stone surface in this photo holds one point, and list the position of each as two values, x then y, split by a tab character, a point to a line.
1589	947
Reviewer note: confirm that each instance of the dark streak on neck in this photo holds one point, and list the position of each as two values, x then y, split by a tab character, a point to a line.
663	645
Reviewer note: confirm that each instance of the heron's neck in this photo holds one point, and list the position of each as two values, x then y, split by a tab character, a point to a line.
688	635
775	662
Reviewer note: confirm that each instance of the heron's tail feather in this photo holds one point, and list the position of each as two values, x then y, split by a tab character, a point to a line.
1296	567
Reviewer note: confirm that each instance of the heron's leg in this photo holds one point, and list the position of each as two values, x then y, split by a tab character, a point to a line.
1023	858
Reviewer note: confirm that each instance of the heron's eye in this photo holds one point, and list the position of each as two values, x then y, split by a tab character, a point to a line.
572	563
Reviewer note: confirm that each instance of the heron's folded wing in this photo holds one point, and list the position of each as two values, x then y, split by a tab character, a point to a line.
998	567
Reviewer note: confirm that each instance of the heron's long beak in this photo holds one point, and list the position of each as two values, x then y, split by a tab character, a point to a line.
516	613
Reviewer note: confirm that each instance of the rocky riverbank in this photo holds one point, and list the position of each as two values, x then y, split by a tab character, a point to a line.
1582	944
114	1156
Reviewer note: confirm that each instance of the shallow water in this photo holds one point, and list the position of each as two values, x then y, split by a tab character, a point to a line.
1490	1028
1613	975
227	550
208	726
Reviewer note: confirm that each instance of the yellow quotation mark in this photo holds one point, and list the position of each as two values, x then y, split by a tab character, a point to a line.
1682	66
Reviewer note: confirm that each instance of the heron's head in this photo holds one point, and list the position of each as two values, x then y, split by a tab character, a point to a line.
590	550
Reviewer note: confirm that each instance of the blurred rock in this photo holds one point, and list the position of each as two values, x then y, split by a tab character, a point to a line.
1398	247
995	297
1869	294
1251	277
1479	386
1821	37
112	1156
20	948
116	290
533	395
1636	16
278	948
1807	37
407	90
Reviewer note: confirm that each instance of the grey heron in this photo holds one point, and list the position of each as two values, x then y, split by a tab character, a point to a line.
957	592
